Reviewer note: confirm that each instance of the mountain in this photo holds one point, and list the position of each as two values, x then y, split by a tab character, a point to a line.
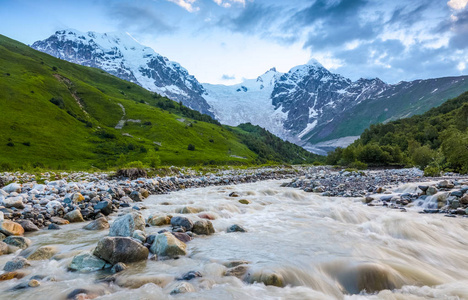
122	56
309	105
60	115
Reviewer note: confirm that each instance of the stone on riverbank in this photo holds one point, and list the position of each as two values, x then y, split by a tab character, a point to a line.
3	248
120	249
28	226
8	228
166	244
74	216
105	207
59	221
203	227
188	210
86	262
182	288
182	222
12	187
16	264
40	253
159	220
16	202
98	224
127	224
236	228
266	277
18	241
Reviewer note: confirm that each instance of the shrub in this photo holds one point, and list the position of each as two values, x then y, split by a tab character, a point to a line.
54	68
432	171
191	147
358	165
10	144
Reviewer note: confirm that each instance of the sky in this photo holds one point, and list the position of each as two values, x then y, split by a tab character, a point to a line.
225	41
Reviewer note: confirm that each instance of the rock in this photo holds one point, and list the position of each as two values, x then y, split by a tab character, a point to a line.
16	264
77	197
203	227
12	187
127	224
266	277
234	194
183	287
120	249
136	196
98	224
235	263
53	226
319	189
25	285
40	253
34	283
159	220
166	244
455	204
18	241
139	235
188	210
207	216
456	193
59	221
8	228
445	184
16	202
3	248
86	262
12	275
190	275
137	281
74	216
244	201
105	207
2	216
464	199
2	236
144	193
182	222
423	187
182	236
88	293
118	267
368	199
236	228
237	271
431	191
28	226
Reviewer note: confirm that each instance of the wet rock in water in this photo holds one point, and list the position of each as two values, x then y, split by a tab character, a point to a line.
86	262
120	249
59	221
464	199
182	222
183	287
237	271
371	278
16	264
24	285
74	216
8	228
127	224
53	226
136	196
166	244
203	227
3	248
2	216
235	263
445	184
12	187
137	281
368	199
190	275
431	191
105	207
188	210
40	253
159	220
18	241
16	202
208	216
98	224
244	201
266	277
87	293
236	228
144	192
28	226
234	194
456	193
12	275
182	236
118	267
423	187
139	235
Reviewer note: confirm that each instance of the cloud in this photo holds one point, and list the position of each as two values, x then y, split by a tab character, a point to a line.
457	27
254	18
228	3
139	18
228	77
457	4
186	4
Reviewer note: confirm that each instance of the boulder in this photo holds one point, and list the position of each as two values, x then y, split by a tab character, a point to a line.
203	227
59	221
159	220
236	228
86	262
28	226
77	197
445	184
98	224
105	207
464	199
166	244
237	271
40	253
139	235
3	248
136	196
137	281
182	236
120	249
12	275
183	287
244	201
53	226
16	202
18	241
74	216
118	267
431	191
8	228
12	187
16	264
188	210
190	275
127	224
266	277
182	222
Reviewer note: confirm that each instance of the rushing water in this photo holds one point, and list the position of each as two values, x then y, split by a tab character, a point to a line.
324	248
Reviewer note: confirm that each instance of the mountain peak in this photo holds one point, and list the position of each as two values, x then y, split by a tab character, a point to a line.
315	63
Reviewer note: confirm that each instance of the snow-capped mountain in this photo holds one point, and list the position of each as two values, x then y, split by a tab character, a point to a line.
121	55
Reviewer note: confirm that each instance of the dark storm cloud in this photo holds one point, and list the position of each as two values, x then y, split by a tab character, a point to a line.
141	18
402	16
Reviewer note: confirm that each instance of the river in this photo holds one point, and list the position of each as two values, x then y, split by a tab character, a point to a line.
322	248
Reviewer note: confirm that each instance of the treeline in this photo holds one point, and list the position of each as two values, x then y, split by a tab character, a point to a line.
435	141
271	148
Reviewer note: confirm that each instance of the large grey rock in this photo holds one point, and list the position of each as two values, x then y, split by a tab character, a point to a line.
18	241
159	220
203	227
86	262
98	224
16	264
136	196
40	253
8	228
16	202
120	249
12	187
28	226
182	222
431	191
127	224
74	216
166	244
105	207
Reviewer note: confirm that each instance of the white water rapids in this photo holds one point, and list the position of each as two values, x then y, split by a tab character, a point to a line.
324	248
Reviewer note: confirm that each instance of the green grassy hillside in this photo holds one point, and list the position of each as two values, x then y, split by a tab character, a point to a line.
436	140
60	115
